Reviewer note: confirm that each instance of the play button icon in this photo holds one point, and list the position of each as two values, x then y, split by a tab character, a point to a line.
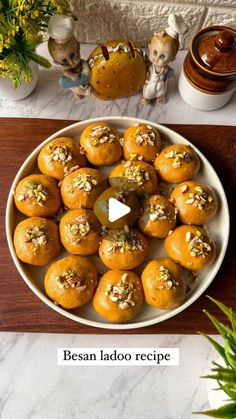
116	210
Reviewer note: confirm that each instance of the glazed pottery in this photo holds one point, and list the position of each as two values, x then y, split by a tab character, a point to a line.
208	77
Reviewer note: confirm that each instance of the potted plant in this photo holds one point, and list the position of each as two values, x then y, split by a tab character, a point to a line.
22	24
224	375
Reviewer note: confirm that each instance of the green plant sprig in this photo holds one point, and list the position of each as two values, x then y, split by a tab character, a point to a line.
224	375
22	23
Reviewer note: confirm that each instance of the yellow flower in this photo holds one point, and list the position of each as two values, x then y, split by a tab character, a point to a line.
32	37
3	65
7	43
27	78
35	13
1	42
22	20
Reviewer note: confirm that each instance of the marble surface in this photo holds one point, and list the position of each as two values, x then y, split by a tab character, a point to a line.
49	101
32	386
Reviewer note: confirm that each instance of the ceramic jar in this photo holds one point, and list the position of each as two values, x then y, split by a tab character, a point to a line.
8	91
208	78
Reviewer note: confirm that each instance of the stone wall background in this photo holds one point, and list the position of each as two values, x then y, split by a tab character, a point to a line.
101	20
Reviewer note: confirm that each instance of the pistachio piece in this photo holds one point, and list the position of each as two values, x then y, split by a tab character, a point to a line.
121	293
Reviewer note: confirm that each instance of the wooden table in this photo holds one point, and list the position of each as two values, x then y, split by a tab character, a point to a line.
21	310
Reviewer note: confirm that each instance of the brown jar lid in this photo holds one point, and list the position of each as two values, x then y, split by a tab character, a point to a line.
214	50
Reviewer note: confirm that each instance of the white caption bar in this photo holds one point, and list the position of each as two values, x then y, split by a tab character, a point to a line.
118	356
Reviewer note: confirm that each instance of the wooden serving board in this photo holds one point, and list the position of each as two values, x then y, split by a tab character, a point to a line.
21	310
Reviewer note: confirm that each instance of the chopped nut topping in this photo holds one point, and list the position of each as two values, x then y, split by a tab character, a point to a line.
36	235
71	279
140	158
184	188
199	199
80	226
125	241
124	276
121	293
145	138
126	228
121	140
36	191
157	212
134	173
165	276
61	154
20	197
101	135
121	196
197	247
104	231
188	236
82	151
85	182
178	157
67	170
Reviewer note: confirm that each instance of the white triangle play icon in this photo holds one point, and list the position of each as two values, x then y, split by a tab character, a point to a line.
116	209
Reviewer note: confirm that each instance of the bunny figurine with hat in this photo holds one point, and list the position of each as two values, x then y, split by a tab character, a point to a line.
64	48
162	49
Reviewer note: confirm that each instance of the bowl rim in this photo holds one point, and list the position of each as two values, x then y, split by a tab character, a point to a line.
114	326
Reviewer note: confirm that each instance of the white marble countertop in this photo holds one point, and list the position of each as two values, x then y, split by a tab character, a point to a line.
49	101
32	386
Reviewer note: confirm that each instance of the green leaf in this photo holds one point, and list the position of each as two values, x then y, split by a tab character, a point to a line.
219	348
16	83
229	371
222	329
223	377
228	390
231	358
228	411
39	59
226	310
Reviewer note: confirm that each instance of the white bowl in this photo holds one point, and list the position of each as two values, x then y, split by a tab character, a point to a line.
218	228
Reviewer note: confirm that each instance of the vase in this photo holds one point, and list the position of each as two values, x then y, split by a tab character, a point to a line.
8	91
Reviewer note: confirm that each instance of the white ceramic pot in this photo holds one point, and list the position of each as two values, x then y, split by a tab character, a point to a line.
201	100
208	77
8	91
